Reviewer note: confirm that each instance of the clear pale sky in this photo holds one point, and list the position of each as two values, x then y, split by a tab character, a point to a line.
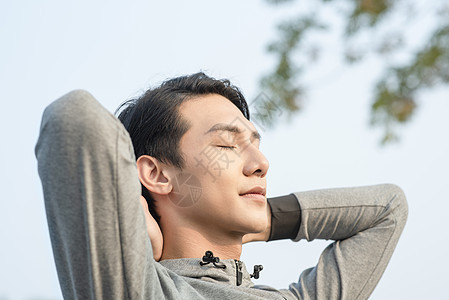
116	50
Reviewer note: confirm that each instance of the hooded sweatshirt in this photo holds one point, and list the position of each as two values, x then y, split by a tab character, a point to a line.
102	251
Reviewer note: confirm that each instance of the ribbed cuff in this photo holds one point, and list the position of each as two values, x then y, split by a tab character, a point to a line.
285	217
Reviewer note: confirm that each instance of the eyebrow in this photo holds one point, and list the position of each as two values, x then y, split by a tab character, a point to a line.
231	128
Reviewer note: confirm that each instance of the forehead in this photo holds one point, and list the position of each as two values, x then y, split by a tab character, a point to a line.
213	111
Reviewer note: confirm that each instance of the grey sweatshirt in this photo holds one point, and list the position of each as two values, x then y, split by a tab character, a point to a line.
102	250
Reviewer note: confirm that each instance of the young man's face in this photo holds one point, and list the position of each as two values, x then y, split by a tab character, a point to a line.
223	168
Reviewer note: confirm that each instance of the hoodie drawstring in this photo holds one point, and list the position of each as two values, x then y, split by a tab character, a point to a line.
210	258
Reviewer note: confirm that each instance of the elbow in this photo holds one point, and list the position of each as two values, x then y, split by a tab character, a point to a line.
73	105
64	120
398	205
77	110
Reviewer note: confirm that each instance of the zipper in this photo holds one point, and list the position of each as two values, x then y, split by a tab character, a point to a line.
239	275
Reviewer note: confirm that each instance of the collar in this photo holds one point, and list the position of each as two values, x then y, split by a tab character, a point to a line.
191	267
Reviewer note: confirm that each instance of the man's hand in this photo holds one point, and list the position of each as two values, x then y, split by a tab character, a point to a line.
153	230
261	236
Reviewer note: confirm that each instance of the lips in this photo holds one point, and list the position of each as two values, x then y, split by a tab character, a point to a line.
256	190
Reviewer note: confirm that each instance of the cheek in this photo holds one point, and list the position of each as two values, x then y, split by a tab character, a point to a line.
187	190
213	164
209	174
218	190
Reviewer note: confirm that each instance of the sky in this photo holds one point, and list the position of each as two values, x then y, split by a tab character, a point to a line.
117	50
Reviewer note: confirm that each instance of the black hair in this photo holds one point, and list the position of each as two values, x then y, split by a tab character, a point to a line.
155	124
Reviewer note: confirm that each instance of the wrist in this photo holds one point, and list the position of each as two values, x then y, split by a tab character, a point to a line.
285	217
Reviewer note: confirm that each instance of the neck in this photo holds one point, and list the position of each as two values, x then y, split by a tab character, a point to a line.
189	243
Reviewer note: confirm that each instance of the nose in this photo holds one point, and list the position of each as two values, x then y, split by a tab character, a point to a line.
256	163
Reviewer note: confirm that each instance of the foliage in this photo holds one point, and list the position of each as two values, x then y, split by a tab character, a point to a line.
395	96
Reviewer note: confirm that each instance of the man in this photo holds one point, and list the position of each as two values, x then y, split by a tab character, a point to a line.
201	181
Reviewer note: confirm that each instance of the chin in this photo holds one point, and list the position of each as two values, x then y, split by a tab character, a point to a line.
258	225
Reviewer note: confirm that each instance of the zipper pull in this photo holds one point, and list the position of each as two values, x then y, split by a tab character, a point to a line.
239	275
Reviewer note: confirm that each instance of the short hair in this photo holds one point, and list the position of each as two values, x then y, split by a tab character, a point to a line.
155	124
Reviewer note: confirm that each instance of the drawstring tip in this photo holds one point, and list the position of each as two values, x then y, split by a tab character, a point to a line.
257	270
210	258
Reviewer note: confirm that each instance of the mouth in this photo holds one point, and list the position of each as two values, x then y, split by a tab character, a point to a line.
256	193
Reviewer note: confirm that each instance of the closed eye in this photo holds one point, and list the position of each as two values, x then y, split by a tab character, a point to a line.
227	147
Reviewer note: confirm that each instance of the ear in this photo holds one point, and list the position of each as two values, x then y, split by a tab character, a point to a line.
155	175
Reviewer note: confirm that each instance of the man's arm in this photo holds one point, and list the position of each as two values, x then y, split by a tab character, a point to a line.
91	191
283	220
365	223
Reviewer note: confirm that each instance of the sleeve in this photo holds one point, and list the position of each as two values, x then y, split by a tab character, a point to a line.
285	217
364	222
91	191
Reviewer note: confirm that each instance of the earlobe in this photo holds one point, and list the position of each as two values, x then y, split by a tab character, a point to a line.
154	175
